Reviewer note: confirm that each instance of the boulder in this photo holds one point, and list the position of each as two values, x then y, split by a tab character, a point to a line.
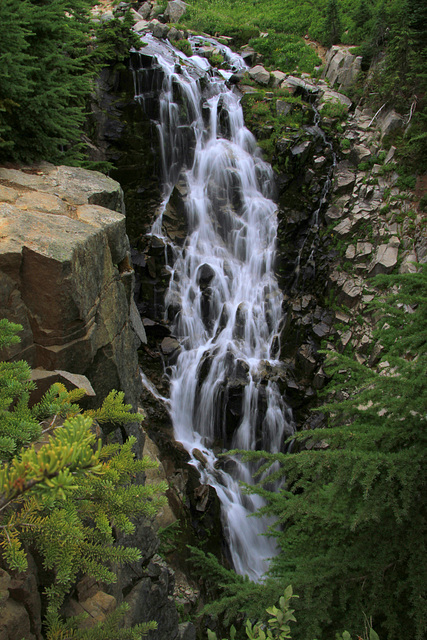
175	10
283	108
344	179
145	10
249	55
389	122
277	78
333	97
259	75
359	153
385	259
159	30
297	85
342	67
300	151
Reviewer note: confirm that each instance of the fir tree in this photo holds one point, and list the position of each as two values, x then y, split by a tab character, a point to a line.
352	514
332	27
68	496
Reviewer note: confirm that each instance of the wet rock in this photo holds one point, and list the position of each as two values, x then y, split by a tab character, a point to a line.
155	329
305	360
205	275
249	55
169	346
259	74
240	322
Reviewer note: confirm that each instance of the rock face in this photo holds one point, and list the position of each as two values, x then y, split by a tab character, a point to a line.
66	274
342	67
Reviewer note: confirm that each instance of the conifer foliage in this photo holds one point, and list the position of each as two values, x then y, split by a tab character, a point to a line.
66	495
352	512
50	52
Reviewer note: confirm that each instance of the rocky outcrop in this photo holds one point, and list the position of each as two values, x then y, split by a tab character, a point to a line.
342	67
66	275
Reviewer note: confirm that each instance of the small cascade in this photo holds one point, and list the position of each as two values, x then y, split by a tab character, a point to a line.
226	304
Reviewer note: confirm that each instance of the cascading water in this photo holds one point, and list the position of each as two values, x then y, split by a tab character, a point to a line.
223	284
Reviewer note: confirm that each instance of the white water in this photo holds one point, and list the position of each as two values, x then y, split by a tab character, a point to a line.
230	314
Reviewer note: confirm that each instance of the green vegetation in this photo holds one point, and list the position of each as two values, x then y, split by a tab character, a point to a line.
63	492
351	514
277	627
50	52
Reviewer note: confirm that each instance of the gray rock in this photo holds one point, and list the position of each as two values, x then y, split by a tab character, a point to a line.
333	97
359	153
175	10
259	75
160	30
301	150
71	275
277	77
385	259
145	10
283	108
169	346
390	155
249	55
389	122
74	185
342	67
297	85
187	631
144	600
344	179
141	25
174	35
409	262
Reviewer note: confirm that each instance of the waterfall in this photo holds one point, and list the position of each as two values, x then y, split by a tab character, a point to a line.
227	306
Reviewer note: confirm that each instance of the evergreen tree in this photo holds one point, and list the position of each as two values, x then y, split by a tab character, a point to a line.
352	513
50	52
68	496
332	27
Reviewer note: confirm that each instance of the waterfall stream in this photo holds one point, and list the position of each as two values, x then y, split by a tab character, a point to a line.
226	303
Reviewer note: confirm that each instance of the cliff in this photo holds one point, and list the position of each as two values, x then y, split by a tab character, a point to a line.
66	275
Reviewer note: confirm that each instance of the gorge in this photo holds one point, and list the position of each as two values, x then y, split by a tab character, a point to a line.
214	318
